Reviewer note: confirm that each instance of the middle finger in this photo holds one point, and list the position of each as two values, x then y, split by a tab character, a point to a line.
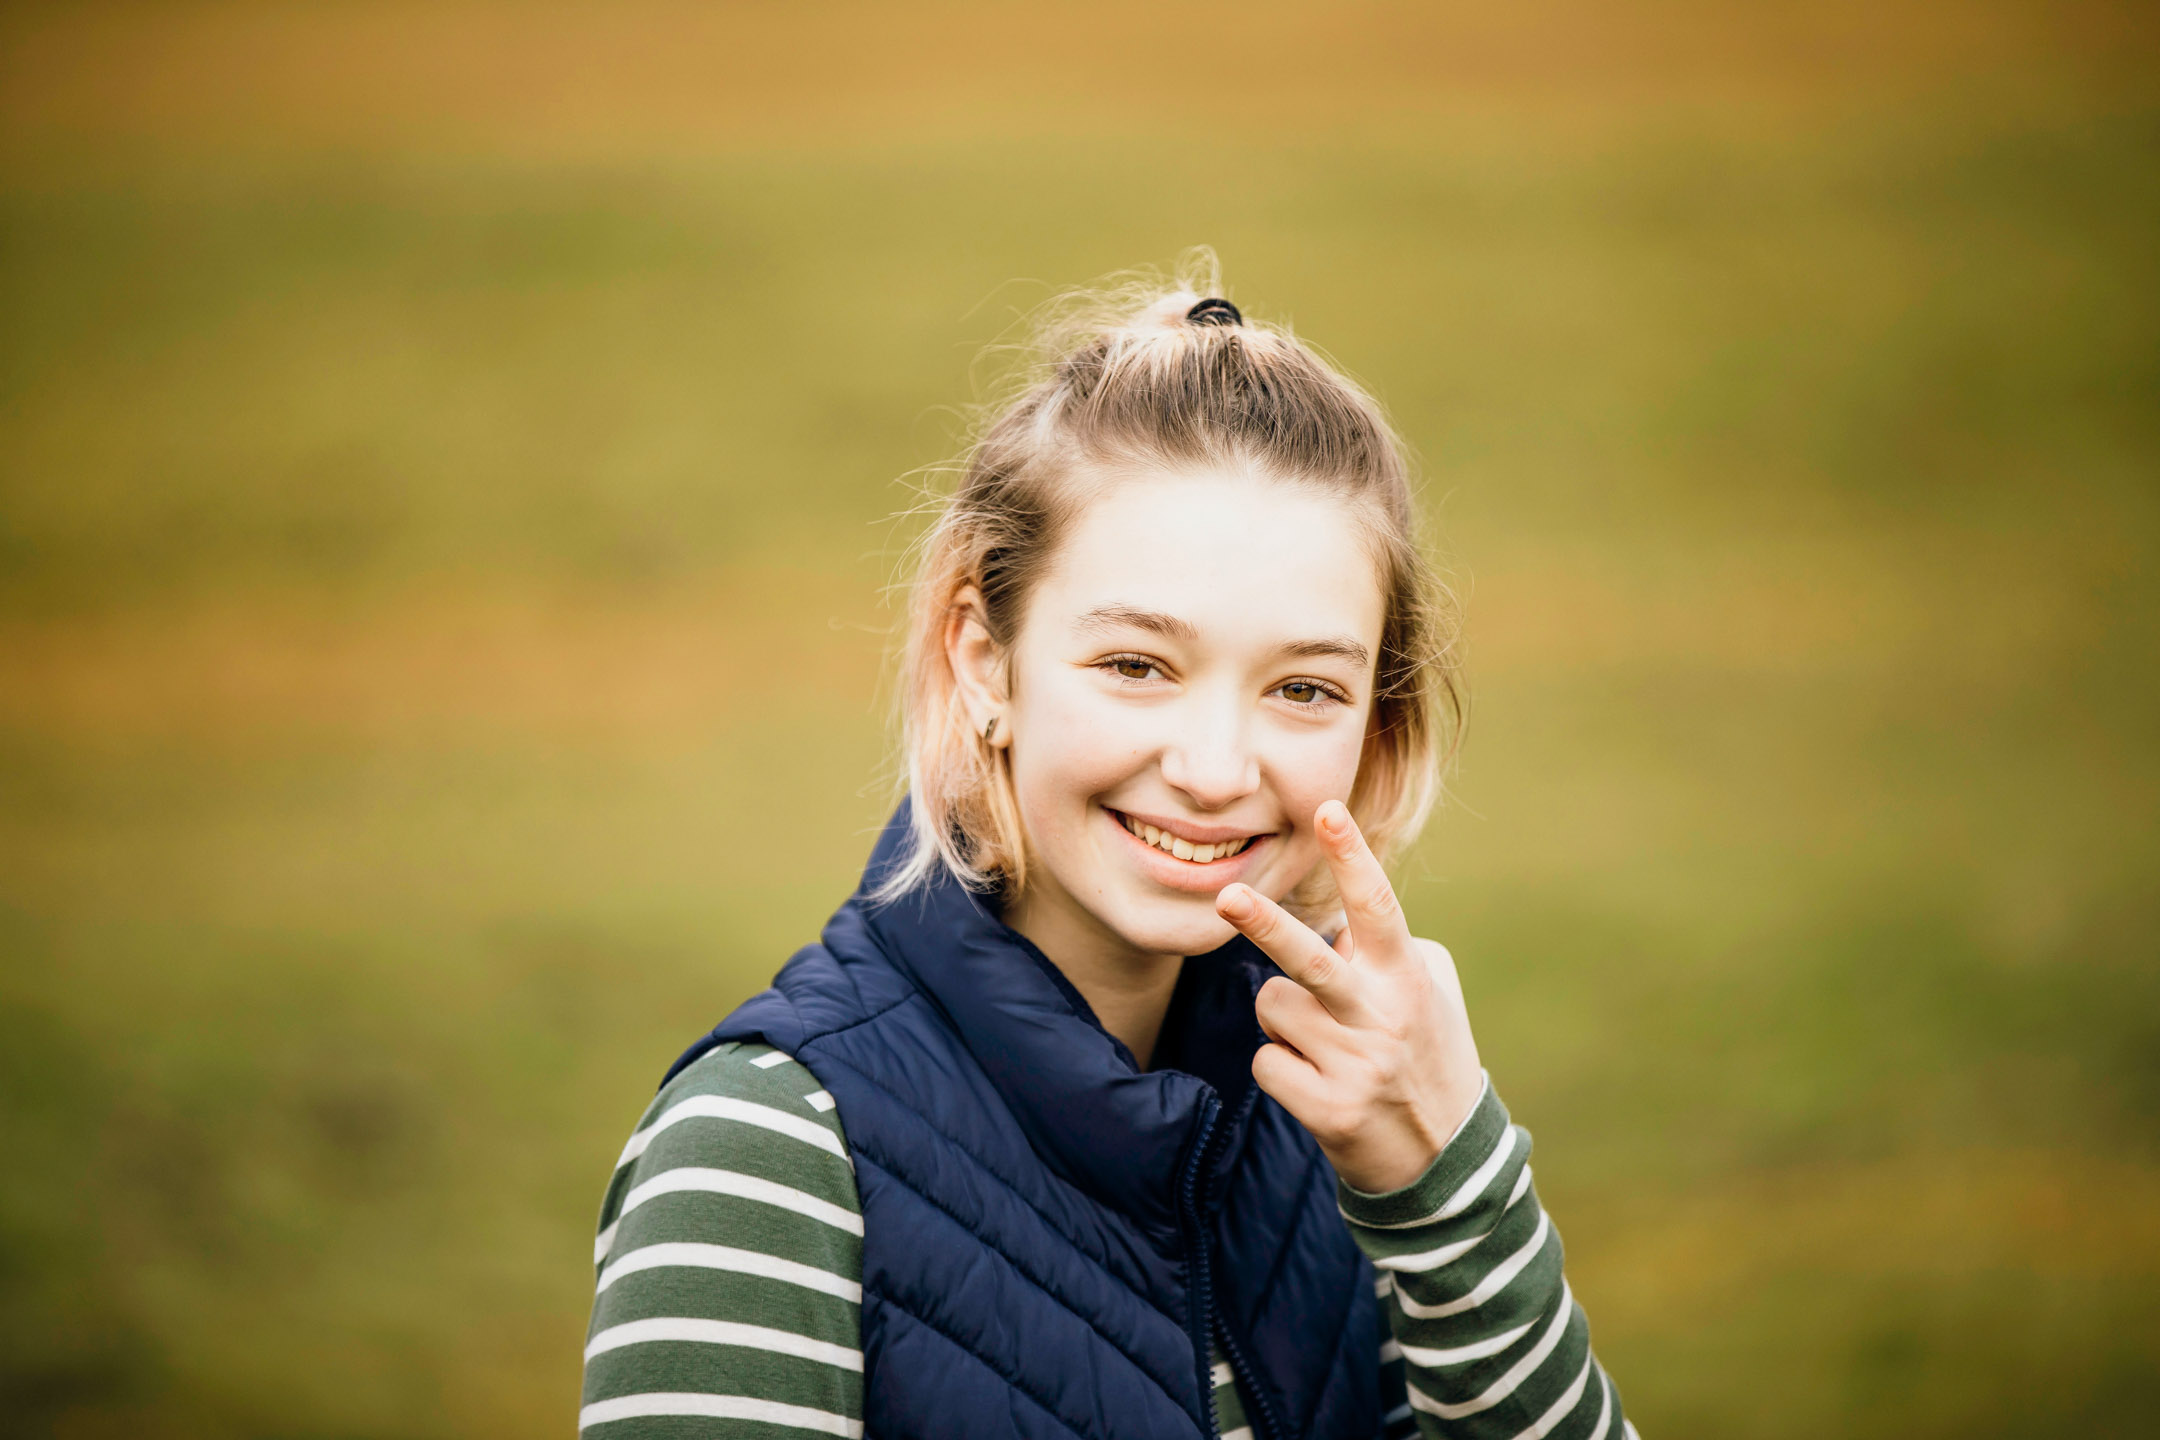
1378	927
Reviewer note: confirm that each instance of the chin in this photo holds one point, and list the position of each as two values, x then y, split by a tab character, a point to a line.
1162	926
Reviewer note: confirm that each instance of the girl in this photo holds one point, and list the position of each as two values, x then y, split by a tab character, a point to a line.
1074	1123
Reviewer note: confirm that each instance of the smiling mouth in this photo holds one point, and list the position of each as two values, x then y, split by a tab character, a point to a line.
1182	848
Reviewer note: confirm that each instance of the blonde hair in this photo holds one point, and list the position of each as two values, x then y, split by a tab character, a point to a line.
1123	379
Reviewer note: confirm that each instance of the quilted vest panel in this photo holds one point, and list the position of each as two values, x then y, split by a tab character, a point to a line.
1052	1236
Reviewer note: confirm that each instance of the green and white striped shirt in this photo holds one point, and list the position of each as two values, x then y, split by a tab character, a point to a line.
730	1279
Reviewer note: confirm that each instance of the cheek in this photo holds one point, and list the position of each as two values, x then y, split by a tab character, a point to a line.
1305	771
1314	766
1069	746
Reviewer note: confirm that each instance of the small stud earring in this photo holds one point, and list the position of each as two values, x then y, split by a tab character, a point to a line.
990	729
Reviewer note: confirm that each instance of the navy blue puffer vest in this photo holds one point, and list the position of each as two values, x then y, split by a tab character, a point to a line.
1052	1236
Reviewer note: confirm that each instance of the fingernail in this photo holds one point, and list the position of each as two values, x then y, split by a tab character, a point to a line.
1335	820
1235	903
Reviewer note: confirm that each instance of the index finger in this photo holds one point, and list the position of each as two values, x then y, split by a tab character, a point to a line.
1377	924
1302	954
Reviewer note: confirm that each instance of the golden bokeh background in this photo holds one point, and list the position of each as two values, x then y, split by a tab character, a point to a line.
448	455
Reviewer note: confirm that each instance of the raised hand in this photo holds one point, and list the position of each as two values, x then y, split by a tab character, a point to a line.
1370	1046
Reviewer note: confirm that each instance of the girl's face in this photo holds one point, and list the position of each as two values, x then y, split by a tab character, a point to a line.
1192	678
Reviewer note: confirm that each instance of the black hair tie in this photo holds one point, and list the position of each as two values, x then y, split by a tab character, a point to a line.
1214	312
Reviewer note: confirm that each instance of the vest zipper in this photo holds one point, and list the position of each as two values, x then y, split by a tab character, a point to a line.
1201	1324
1265	1422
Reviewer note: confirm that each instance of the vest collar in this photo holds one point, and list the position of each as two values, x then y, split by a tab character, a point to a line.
1119	1134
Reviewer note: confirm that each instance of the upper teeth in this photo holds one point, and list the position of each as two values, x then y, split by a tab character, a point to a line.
1182	848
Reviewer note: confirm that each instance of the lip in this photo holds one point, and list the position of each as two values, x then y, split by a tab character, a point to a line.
1189	876
1188	830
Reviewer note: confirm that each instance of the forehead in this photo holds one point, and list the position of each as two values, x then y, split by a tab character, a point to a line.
1253	559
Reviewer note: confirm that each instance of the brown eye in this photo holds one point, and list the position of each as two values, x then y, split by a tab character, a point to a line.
1301	692
1133	669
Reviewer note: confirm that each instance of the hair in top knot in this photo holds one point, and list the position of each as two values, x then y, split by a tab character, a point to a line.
1148	376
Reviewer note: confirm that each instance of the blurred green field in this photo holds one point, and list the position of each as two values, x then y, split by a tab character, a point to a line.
440	645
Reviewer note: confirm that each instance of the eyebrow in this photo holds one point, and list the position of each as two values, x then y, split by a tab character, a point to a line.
1110	617
1342	649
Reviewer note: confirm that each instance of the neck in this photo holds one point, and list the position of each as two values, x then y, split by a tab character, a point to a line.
1129	990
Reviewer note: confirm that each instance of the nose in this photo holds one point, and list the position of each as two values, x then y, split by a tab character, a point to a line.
1209	760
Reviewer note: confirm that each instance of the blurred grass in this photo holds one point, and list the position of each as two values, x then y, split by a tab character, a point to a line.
439	657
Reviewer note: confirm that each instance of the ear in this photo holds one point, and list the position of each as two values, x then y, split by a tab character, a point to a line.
978	665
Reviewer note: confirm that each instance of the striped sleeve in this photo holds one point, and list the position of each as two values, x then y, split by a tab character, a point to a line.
728	1295
1491	1343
